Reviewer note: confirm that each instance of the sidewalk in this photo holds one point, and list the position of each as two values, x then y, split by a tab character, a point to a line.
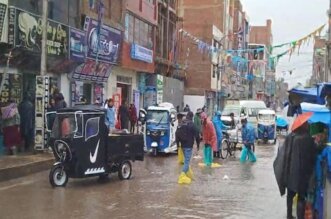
24	164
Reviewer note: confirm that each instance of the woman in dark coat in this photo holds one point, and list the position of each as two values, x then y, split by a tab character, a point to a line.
26	110
294	166
123	115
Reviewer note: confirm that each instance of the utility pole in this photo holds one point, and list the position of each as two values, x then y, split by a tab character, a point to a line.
43	64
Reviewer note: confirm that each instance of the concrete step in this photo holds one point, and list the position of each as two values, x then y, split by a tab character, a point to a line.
16	166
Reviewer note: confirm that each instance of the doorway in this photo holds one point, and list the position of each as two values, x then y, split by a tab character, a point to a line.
126	91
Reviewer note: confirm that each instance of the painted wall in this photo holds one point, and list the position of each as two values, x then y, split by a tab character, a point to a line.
173	91
195	102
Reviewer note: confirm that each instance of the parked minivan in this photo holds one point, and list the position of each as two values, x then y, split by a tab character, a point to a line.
252	108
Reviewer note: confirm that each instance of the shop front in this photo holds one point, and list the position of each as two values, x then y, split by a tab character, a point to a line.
96	55
21	73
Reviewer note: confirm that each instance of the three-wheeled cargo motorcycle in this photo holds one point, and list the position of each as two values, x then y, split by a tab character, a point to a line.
83	146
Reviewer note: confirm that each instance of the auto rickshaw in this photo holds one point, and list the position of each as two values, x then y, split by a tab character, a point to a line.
83	147
266	126
160	126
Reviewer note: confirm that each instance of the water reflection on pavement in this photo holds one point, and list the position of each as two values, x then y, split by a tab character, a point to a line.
232	191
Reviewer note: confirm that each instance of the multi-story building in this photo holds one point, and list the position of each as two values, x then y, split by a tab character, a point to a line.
318	75
260	66
95	49
206	27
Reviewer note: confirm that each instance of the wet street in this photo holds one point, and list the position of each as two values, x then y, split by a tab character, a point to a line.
249	192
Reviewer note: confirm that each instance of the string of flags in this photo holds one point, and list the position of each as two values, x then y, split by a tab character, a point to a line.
296	44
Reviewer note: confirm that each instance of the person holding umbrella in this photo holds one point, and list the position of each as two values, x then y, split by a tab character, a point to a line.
294	164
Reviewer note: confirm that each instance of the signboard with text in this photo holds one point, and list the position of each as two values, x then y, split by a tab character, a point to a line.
103	46
91	71
77	45
141	53
25	30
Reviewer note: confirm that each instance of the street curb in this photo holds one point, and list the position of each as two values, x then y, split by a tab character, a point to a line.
25	169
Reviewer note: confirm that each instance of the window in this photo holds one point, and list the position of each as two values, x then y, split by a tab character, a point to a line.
158	117
138	32
92	128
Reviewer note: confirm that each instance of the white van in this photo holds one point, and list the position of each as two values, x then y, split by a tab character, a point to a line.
252	107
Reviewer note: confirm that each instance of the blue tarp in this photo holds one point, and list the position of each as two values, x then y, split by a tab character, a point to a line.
309	95
281	122
313	94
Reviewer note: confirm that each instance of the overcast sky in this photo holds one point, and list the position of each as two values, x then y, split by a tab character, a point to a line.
292	19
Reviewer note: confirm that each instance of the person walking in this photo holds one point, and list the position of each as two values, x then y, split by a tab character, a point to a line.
187	108
26	111
294	167
180	117
198	127
186	134
248	138
11	127
110	115
133	117
219	126
123	115
209	137
232	122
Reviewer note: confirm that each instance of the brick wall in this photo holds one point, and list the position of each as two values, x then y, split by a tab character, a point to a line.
261	34
199	17
113	12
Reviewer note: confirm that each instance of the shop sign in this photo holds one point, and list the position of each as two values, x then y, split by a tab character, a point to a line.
90	71
11	88
25	30
159	88
77	45
3	10
104	46
141	53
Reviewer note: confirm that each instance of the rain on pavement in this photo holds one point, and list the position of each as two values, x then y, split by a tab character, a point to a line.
249	192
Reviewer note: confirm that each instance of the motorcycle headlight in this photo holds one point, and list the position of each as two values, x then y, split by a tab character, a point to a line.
61	147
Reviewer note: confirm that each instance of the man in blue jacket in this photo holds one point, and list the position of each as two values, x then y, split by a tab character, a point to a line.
248	138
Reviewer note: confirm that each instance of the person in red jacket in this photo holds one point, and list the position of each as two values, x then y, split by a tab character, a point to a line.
210	139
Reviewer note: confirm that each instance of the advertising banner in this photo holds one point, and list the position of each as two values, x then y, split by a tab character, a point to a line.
77	45
104	46
90	71
25	30
159	88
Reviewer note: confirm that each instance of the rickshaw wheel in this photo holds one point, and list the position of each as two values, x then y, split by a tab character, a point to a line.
125	170
225	149
58	177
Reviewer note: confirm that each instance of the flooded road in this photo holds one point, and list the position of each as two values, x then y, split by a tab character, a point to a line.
249	192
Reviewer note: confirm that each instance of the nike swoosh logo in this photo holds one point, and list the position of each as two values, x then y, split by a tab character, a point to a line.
94	157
